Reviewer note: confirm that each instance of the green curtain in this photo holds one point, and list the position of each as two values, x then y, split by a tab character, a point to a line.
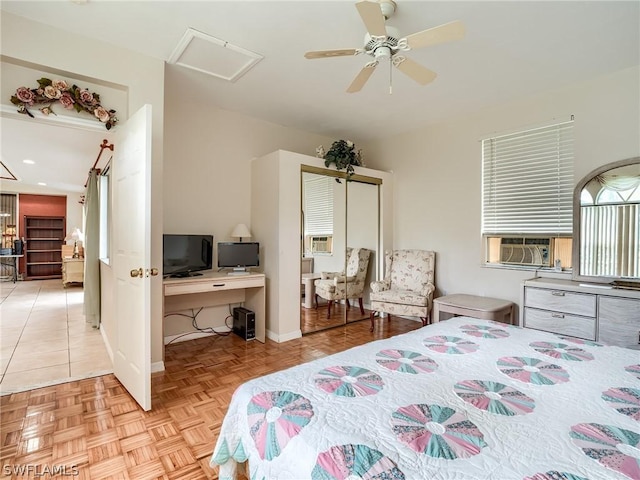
91	252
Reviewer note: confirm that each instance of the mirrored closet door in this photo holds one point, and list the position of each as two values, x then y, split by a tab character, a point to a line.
339	247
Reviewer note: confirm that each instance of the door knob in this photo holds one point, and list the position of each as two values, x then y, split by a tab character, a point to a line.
136	272
153	272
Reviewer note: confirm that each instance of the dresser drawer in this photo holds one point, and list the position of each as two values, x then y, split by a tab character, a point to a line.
561	301
556	322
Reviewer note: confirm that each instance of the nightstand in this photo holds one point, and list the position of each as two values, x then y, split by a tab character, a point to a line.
72	270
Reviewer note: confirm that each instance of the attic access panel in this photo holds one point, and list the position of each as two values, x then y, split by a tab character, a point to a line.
213	56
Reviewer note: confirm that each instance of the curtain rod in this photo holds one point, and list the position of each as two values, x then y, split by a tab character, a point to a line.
105	144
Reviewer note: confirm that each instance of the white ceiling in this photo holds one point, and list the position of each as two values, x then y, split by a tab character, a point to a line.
62	155
511	50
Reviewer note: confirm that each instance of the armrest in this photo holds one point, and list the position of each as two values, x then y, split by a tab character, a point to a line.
429	290
379	286
342	279
329	275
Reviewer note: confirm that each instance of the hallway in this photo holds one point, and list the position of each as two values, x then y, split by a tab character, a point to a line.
44	339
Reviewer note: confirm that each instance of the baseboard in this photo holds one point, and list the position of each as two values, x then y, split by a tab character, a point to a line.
107	345
157	367
183	337
284	338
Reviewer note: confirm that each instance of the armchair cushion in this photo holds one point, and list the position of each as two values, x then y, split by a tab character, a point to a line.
406	297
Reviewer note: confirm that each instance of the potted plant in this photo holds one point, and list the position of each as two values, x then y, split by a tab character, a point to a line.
343	155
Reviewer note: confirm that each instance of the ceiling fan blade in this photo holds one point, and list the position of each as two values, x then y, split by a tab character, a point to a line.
372	17
433	36
361	78
331	53
414	70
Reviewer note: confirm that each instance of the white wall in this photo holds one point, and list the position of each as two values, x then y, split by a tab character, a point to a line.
207	177
142	77
437	172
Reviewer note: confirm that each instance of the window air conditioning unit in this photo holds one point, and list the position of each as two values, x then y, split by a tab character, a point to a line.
533	251
321	244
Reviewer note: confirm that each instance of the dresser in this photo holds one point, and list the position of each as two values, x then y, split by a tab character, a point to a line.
72	270
584	310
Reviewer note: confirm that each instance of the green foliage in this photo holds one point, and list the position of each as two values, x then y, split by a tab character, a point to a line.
343	155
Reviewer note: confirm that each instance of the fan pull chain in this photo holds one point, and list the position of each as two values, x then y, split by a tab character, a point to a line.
390	77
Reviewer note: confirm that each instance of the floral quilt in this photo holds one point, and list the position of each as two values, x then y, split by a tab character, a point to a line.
459	399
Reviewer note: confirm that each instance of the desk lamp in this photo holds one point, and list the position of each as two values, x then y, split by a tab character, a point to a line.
240	231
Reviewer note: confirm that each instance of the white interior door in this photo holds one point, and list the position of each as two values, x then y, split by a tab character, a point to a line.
131	255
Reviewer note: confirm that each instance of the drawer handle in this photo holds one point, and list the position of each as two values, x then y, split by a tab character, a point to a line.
218	284
556	293
557	315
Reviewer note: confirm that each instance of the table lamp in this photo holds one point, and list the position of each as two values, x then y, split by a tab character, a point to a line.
75	236
240	231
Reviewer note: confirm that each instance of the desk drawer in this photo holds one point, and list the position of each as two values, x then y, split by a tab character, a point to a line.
561	301
211	285
555	322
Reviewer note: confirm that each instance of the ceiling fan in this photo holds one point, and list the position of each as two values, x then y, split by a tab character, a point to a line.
384	42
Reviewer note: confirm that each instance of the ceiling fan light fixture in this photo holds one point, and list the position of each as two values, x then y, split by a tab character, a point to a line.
382	52
388	8
383	41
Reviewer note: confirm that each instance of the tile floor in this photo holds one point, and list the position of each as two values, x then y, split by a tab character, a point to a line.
44	339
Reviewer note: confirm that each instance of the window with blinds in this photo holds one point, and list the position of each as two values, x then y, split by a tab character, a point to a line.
610	227
318	214
527	191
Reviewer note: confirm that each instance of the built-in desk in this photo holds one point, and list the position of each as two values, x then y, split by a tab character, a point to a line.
213	289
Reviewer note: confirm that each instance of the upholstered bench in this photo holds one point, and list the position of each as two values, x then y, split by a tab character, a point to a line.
474	306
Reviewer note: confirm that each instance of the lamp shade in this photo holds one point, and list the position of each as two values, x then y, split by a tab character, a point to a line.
241	231
76	235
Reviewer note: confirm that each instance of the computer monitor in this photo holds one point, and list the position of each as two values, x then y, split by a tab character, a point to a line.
238	256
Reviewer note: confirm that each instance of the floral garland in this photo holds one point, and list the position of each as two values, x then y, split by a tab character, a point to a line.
50	91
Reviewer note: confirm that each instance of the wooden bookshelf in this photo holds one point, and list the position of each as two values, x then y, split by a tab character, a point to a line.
43	250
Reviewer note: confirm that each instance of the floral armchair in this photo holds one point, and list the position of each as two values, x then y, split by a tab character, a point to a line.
408	285
346	284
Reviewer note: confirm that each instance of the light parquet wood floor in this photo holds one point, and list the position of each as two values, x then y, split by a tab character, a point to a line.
93	429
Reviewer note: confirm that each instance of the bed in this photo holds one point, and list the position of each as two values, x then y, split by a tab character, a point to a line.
459	399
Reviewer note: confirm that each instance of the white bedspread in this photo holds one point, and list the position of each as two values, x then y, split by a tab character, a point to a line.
460	399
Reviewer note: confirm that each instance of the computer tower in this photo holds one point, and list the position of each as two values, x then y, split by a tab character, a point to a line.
244	323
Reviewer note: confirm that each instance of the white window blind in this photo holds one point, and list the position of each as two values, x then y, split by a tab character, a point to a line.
527	181
610	240
318	206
